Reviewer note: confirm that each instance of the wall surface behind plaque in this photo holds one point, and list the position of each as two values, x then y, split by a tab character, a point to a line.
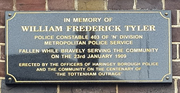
58	5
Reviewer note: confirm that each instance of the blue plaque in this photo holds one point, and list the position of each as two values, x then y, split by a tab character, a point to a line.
88	46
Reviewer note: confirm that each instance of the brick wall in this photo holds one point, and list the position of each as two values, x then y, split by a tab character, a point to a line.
57	5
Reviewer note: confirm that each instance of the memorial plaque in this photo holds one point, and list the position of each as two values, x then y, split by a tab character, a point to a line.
88	46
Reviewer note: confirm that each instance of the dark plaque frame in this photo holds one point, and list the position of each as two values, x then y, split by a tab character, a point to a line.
100	46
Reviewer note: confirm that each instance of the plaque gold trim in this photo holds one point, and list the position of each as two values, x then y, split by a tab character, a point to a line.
95	81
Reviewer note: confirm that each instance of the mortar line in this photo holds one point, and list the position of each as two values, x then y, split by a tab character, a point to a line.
76	4
46	6
2	44
177	51
163	4
178	17
175	86
2	61
176	60
135	5
105	4
117	90
2	78
175	43
14	5
2	26
176	77
176	26
58	88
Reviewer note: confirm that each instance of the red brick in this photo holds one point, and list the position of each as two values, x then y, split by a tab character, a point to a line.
120	4
174	17
2	18
176	34
173	5
174	51
2	40
61	4
2	69
146	88
178	18
149	4
2	35
2	57
91	5
30	5
6	4
88	88
176	68
30	8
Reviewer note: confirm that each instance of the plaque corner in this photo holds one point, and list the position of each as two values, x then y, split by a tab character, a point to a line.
10	79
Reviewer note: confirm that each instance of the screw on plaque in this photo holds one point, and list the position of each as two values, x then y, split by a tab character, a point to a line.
166	14
9	79
167	78
9	15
